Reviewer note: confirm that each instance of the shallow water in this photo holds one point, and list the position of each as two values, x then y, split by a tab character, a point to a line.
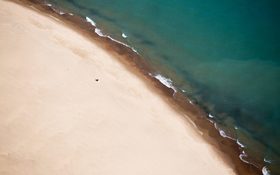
224	55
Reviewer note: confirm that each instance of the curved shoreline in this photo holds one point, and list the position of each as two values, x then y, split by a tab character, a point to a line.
134	63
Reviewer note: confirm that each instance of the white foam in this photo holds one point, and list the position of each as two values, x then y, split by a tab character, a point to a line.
210	116
117	41
265	171
91	21
222	133
134	50
61	12
266	160
241	157
166	81
126	45
99	32
215	125
124	35
240	144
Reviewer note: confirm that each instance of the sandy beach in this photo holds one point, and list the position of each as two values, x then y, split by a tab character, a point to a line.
68	106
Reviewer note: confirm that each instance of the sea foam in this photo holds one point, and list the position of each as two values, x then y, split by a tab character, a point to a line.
124	35
210	116
242	156
99	32
222	132
90	21
265	171
240	144
266	160
165	81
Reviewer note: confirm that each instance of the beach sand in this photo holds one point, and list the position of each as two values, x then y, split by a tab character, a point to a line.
67	106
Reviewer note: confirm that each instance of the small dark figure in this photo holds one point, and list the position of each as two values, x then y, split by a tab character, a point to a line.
96	79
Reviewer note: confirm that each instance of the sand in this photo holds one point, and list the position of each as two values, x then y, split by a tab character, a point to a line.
55	118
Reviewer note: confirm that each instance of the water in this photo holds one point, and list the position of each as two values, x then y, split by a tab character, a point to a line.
223	54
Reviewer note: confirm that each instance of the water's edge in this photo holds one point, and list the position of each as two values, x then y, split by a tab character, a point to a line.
230	148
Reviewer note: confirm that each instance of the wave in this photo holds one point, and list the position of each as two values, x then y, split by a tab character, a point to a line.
265	171
90	21
222	132
165	81
100	33
242	157
60	12
124	35
240	144
210	116
267	161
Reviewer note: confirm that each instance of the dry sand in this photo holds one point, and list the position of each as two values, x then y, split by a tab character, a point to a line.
56	119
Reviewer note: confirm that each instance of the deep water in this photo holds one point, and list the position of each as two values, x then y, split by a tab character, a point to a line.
223	54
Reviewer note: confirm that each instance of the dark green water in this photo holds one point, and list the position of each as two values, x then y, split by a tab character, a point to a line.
223	54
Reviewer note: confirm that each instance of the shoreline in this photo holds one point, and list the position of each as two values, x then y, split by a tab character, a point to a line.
226	148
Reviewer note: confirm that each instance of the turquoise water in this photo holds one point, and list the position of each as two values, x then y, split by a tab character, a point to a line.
223	54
